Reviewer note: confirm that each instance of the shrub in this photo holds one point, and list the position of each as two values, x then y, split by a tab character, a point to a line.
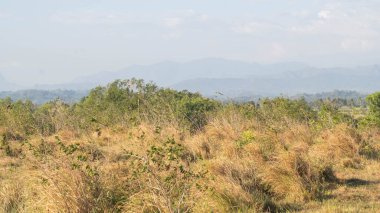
131	102
373	102
167	183
280	108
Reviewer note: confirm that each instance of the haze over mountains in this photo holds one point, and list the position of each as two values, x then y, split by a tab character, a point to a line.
5	85
234	78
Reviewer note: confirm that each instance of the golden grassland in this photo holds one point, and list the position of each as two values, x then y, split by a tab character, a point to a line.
234	164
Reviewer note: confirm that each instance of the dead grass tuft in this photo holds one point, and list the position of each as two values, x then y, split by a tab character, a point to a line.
12	197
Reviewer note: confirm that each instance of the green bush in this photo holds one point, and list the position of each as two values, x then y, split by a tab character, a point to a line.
373	102
280	108
130	102
163	175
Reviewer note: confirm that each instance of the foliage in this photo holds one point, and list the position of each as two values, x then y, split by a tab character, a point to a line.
373	101
328	116
130	102
279	108
166	178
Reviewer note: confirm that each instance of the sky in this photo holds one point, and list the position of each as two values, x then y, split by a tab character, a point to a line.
56	41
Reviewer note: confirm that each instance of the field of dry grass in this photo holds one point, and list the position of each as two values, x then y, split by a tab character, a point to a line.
235	165
357	191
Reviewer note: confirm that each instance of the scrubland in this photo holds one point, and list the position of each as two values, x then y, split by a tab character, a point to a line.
134	147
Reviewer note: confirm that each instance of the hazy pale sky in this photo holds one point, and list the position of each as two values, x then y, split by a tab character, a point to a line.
53	41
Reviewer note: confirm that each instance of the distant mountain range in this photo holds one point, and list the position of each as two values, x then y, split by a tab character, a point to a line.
233	79
43	96
356	98
73	96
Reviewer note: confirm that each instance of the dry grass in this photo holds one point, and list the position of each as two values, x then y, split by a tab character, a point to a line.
12	197
358	191
336	144
250	168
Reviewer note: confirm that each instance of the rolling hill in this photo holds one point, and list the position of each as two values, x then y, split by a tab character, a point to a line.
236	78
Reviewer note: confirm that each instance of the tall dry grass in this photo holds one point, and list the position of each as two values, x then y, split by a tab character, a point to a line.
251	164
12	197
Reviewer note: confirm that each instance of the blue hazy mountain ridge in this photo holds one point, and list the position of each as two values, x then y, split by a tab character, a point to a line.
169	73
291	82
43	96
277	86
237	78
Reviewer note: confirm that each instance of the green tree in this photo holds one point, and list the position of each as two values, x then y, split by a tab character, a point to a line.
373	102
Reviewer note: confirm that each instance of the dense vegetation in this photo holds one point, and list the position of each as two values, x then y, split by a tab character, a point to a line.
135	147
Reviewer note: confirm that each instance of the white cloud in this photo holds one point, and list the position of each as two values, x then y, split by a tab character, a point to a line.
91	17
330	29
255	28
185	18
359	23
324	14
172	22
350	44
204	17
172	35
